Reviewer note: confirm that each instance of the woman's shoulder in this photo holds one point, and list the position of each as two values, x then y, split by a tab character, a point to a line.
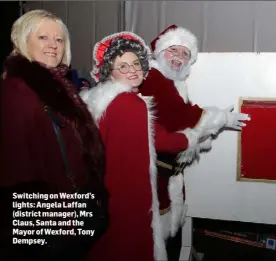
17	96
14	85
15	82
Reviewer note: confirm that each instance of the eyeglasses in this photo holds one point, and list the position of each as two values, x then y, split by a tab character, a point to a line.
185	54
125	67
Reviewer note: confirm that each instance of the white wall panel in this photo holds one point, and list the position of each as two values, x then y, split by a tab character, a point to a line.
212	190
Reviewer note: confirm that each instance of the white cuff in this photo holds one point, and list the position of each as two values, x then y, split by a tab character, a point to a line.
176	184
192	152
211	122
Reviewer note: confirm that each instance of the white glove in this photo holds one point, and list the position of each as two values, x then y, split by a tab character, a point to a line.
234	119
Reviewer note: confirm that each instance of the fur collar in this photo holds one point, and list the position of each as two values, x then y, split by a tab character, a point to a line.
48	88
155	65
182	89
99	97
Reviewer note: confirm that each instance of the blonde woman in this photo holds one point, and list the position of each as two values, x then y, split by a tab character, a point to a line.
49	141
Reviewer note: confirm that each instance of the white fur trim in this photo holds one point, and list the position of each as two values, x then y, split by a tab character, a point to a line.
154	64
176	184
160	253
192	152
182	88
84	94
95	69
166	220
206	144
99	97
212	121
178	36
184	214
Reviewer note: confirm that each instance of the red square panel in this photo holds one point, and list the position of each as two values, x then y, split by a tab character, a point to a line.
258	141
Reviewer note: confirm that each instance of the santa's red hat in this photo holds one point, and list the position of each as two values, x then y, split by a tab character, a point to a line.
175	35
100	48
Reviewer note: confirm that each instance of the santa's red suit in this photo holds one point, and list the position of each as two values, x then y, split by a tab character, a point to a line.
174	112
131	139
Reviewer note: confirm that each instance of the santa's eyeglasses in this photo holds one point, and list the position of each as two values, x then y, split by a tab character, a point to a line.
175	52
125	67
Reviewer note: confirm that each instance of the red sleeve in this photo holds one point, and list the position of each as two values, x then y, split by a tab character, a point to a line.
133	117
169	142
172	112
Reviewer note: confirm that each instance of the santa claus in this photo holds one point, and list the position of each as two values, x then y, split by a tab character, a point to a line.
175	50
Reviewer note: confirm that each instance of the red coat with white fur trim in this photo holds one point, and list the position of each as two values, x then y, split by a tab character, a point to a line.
128	131
172	113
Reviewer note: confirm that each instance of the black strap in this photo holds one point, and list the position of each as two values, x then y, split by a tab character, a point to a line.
56	123
167	165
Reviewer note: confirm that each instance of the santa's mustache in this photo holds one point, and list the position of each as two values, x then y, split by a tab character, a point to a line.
177	59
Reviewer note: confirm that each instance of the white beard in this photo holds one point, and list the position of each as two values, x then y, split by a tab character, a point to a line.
180	75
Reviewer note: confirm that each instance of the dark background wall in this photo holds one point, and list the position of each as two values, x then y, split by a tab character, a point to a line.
9	12
87	21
